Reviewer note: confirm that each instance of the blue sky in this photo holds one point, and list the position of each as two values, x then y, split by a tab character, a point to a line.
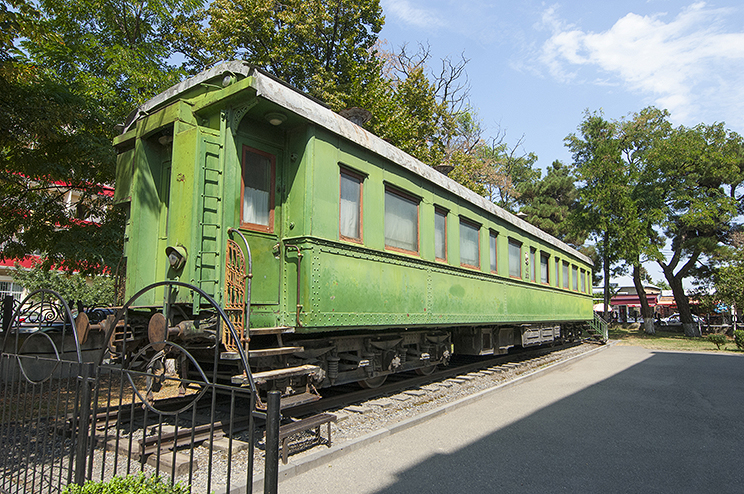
535	66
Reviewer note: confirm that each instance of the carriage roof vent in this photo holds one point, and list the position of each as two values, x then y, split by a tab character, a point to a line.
359	116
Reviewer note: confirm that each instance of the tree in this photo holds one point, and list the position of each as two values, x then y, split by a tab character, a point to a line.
406	115
638	136
727	277
698	168
71	70
319	46
605	203
550	200
493	168
97	292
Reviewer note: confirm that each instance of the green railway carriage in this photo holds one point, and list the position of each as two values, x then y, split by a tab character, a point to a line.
365	261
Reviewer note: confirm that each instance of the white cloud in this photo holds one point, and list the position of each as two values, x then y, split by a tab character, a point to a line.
413	15
689	64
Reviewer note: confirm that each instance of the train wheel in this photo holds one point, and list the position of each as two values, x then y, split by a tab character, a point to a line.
373	382
426	371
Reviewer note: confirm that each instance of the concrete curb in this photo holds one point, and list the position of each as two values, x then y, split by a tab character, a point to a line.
322	457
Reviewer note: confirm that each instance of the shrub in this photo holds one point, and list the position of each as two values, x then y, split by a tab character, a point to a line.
739	338
718	340
141	484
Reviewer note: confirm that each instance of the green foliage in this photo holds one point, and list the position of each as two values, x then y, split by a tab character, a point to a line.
726	277
739	338
662	284
550	200
495	169
69	72
645	185
95	292
718	340
406	115
605	204
317	46
113	51
140	484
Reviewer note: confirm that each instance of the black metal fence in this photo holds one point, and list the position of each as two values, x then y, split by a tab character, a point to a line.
71	412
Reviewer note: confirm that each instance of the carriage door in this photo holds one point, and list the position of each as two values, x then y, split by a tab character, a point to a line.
260	223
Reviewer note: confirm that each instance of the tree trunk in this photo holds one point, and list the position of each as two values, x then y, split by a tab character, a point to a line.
646	311
689	326
606	269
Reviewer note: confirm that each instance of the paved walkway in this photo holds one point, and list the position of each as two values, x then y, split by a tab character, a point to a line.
623	420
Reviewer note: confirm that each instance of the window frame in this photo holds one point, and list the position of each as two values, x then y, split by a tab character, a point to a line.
519	258
477	227
533	264
546	256
582	285
360	178
566	276
272	192
417	201
493	251
557	272
443	212
574	277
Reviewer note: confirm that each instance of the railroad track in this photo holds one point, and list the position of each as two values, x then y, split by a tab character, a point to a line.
342	396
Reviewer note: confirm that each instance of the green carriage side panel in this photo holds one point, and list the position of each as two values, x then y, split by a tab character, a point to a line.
149	205
355	287
207	213
181	211
342	285
267	263
124	171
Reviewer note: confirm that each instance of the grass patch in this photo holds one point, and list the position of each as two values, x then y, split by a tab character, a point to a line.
667	340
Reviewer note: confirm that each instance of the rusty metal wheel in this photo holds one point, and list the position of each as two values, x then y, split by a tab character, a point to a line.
373	382
426	371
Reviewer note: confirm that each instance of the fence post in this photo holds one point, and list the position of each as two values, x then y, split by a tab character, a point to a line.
83	424
271	467
7	312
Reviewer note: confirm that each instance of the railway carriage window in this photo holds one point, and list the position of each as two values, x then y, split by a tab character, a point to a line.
494	262
257	181
544	278
557	272
440	234
469	244
565	275
515	259
350	206
401	221
533	265
583	281
575	278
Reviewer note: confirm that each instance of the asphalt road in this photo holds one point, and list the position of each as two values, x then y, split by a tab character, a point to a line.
623	420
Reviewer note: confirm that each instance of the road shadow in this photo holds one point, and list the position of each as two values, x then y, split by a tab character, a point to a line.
671	423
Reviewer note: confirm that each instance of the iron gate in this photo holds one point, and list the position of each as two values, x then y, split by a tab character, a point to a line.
78	405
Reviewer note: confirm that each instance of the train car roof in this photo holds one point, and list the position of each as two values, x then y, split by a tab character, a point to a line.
313	110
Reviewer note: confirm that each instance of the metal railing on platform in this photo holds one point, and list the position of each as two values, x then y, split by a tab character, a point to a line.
600	327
